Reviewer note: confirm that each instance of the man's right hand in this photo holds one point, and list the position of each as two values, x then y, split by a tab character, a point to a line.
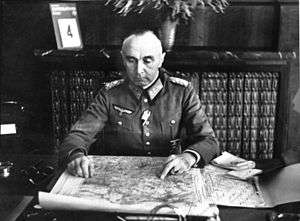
82	166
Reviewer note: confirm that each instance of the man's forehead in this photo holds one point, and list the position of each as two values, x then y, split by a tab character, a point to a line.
144	45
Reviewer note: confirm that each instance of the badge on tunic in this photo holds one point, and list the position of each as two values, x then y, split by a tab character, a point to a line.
122	110
145	117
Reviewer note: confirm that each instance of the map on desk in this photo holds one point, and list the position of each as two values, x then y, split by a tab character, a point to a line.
227	191
131	184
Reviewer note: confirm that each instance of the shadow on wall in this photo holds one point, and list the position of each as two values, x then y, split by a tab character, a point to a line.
292	155
296	102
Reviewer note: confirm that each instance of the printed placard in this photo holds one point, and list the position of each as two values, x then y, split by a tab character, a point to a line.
66	25
69	32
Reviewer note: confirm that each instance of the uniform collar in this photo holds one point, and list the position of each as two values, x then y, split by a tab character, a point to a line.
137	91
155	88
152	91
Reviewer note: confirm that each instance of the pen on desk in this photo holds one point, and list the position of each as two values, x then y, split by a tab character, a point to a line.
255	185
234	163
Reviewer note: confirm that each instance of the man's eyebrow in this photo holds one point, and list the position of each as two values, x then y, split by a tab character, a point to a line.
149	57
130	57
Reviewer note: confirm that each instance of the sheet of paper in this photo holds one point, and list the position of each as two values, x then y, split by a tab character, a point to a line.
226	191
282	186
131	184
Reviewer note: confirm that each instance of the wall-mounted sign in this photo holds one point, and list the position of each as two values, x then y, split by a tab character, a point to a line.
8	129
66	25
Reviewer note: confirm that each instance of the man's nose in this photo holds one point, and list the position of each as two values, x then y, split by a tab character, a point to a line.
140	67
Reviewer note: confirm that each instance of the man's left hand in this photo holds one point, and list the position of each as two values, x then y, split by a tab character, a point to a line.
177	164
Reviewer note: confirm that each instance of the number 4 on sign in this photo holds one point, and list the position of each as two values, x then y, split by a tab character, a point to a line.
69	31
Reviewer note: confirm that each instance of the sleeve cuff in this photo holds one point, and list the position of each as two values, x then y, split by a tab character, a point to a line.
195	154
75	153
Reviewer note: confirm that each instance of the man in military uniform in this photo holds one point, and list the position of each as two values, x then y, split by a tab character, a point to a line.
143	114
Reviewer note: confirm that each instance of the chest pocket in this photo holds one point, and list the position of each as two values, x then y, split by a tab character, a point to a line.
170	126
121	123
121	118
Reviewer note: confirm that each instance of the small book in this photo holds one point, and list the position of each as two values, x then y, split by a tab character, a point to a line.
231	162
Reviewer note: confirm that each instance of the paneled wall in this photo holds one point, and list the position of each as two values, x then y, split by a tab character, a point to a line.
268	25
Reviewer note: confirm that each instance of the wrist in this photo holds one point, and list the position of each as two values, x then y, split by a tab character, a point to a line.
74	155
189	157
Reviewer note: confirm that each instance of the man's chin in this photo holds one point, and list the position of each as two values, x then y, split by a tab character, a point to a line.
140	83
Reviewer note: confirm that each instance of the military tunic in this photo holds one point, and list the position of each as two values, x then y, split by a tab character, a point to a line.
143	122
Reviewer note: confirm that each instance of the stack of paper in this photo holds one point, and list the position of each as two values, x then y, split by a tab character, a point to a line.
242	169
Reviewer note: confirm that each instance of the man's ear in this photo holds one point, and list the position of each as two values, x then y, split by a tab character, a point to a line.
122	64
162	59
122	56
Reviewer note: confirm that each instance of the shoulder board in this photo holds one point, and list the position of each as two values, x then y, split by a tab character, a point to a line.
112	84
179	81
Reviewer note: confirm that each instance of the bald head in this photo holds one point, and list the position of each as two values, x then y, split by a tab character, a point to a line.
142	57
146	40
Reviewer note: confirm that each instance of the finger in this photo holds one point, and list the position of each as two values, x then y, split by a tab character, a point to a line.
170	158
84	164
176	167
167	169
181	171
78	168
173	171
71	168
91	168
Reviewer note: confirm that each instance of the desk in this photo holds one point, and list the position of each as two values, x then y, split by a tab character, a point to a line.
16	194
15	191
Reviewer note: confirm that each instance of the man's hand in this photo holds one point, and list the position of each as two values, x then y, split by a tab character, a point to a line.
177	164
82	166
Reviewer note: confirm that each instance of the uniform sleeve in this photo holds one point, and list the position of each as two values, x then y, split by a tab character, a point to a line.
82	133
200	135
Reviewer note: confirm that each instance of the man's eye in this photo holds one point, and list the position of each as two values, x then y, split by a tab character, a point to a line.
148	60
130	60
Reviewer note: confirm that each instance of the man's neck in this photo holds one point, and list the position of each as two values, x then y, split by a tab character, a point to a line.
151	83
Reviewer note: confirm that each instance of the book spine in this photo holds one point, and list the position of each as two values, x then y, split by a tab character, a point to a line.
267	112
254	115
246	137
206	95
59	106
271	122
213	95
235	111
220	108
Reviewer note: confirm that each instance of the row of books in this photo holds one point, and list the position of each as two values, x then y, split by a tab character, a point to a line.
241	106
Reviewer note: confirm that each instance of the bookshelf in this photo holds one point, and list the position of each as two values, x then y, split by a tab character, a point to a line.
244	93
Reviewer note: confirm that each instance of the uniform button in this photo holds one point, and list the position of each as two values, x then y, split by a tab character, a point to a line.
147	134
172	121
147	143
145	100
120	123
149	153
